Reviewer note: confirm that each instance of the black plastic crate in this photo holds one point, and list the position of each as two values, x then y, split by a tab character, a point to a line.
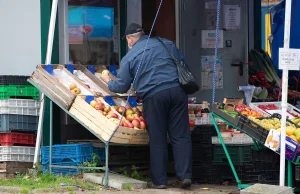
14	80
252	129
239	154
202	135
203	153
297	173
204	173
224	172
265	155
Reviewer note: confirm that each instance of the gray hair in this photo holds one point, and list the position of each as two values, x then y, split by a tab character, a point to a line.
136	35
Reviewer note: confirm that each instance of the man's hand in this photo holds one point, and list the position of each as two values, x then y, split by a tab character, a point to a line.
106	78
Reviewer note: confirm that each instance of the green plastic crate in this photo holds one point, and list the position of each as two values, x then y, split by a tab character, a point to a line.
239	154
14	91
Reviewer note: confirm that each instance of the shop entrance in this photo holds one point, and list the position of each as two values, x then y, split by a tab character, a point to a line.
196	18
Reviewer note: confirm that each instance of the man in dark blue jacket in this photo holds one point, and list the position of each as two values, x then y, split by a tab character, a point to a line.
165	104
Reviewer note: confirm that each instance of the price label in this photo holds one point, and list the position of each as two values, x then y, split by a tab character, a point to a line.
289	59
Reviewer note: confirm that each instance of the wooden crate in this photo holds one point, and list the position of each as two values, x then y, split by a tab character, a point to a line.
105	91
74	80
98	76
104	127
15	167
52	87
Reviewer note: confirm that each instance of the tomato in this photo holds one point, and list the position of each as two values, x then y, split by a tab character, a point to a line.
192	123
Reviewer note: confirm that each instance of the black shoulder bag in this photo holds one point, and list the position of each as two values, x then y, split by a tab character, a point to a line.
187	80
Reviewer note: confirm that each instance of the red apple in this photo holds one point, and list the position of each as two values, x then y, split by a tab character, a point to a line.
130	125
143	125
136	123
141	118
125	124
130	117
128	107
107	108
114	115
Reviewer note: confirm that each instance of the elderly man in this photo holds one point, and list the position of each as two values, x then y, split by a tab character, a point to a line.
165	104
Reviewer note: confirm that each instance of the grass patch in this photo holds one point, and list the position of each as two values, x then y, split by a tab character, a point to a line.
128	187
45	181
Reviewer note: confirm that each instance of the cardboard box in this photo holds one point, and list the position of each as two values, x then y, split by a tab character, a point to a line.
292	147
233	101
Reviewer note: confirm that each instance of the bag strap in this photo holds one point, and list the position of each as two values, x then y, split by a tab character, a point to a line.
172	56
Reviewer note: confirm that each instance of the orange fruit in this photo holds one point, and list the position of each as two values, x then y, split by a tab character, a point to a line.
293	137
290	131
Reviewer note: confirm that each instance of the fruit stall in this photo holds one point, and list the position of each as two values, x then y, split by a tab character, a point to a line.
262	122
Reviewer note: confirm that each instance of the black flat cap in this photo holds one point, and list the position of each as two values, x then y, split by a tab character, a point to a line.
132	28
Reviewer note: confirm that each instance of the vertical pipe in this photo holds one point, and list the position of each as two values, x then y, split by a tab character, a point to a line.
50	136
285	73
290	174
106	164
177	23
48	61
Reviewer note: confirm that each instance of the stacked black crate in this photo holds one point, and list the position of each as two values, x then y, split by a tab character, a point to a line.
203	171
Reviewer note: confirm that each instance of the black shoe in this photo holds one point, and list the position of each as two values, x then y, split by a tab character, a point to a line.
186	183
159	186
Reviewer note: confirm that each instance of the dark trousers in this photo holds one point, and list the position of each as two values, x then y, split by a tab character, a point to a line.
167	113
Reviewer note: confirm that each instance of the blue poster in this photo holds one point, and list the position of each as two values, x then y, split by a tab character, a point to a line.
95	22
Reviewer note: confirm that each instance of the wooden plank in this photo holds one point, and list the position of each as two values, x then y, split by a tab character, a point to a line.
56	88
100	124
92	127
56	82
49	91
98	116
105	129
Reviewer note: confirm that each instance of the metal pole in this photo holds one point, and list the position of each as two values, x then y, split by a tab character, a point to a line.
106	177
48	61
51	136
285	73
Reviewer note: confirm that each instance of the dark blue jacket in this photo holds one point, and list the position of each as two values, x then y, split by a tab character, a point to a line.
157	71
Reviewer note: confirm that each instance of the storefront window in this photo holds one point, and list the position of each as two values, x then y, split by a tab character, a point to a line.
93	29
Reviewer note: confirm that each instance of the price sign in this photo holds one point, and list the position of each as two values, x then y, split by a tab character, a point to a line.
289	59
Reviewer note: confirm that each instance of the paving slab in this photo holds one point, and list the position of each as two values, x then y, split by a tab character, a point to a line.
115	181
267	189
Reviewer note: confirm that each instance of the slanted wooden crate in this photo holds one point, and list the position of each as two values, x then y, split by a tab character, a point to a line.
101	86
105	86
52	87
104	127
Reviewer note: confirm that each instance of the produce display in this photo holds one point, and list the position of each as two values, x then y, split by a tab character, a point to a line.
296	120
132	118
240	109
272	107
274	123
73	87
247	111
